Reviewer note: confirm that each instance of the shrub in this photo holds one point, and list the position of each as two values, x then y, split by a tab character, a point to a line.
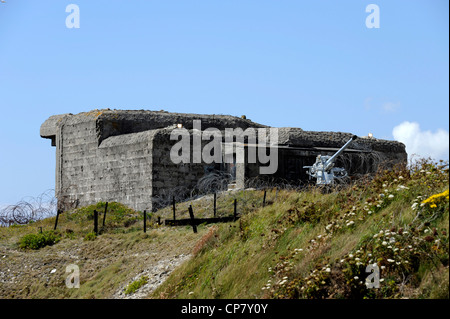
135	285
37	241
90	236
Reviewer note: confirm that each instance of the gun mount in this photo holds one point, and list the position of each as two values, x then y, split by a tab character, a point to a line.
323	169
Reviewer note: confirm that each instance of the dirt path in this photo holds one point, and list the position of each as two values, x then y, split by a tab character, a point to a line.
107	264
156	274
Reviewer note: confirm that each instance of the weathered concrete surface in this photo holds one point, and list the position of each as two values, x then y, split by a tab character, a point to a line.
124	156
109	155
390	150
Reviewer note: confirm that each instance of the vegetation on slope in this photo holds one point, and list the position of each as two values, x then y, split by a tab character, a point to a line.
302	244
313	245
33	267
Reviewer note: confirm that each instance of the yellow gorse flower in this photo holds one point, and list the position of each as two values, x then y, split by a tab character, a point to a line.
433	200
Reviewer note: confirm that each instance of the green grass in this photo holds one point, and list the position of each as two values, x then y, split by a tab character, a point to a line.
135	285
314	245
301	245
40	240
107	261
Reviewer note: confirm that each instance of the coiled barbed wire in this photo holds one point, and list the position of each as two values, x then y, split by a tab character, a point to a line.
29	209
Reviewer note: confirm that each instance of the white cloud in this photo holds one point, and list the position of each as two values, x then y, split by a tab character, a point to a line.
390	106
385	106
422	143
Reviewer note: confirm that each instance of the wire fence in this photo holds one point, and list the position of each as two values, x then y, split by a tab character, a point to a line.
29	209
45	205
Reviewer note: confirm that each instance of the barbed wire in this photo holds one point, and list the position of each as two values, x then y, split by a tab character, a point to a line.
29	209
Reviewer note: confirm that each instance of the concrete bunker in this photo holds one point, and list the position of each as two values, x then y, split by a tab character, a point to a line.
124	156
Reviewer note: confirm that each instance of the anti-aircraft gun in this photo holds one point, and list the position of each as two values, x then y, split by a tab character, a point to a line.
323	169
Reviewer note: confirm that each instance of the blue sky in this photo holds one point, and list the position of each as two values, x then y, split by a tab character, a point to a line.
308	64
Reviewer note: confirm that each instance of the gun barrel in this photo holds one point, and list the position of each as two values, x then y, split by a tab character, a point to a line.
335	155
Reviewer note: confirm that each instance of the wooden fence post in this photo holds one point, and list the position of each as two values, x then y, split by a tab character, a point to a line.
95	222
191	214
173	206
215	200
104	216
264	199
57	216
145	221
40	230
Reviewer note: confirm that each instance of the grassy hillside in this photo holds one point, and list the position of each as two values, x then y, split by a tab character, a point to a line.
108	263
303	244
313	245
